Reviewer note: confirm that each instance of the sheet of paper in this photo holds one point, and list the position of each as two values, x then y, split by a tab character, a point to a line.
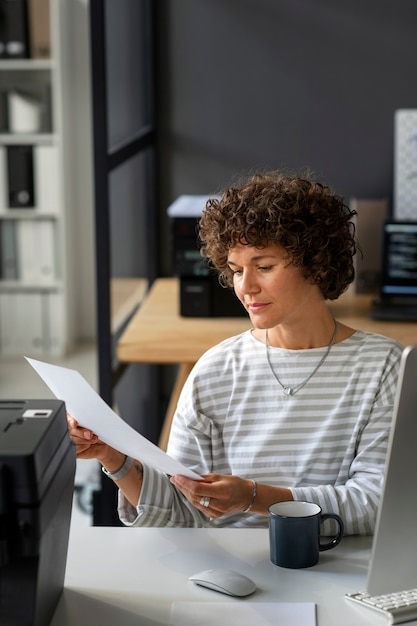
90	411
243	613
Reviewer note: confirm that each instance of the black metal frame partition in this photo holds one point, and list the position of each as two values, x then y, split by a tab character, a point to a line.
106	159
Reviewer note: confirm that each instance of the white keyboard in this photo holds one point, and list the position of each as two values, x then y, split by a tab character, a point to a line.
398	607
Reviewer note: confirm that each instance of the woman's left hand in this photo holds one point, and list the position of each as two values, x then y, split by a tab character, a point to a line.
223	494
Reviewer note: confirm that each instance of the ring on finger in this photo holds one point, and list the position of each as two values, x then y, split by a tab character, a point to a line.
205	501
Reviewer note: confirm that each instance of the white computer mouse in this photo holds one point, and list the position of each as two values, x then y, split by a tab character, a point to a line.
225	581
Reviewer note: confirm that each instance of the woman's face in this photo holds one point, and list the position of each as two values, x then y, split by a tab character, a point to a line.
270	288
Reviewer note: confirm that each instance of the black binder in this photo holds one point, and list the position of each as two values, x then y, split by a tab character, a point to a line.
14	29
20	177
37	469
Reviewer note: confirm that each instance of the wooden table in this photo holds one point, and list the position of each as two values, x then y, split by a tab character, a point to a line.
158	334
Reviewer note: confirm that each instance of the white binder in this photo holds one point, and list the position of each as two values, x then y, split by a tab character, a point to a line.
21	327
35	242
46	174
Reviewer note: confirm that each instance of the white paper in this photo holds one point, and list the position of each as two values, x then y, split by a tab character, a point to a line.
90	411
243	613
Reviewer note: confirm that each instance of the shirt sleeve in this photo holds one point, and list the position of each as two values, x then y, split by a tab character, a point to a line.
160	504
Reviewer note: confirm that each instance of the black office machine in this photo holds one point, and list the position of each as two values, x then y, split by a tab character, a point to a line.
37	469
201	294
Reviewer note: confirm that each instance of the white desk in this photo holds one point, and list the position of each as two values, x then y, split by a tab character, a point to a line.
131	576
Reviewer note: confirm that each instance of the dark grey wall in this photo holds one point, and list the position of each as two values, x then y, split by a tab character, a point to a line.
283	83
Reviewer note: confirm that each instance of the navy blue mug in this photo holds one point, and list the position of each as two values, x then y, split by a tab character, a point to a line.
294	533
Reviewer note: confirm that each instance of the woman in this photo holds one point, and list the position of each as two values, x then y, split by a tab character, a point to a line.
297	408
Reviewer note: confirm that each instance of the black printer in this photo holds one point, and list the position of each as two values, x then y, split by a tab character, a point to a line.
37	469
201	294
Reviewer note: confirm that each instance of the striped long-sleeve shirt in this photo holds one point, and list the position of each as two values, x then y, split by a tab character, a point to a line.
327	442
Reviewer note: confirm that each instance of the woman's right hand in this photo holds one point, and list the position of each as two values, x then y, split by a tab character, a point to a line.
87	444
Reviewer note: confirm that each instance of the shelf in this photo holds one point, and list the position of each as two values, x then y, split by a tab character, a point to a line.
43	265
31	65
28	214
18	286
9	139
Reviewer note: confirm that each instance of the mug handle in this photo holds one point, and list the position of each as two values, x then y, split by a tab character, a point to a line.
336	540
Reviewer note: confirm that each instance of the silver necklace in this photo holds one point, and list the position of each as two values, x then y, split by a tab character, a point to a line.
291	390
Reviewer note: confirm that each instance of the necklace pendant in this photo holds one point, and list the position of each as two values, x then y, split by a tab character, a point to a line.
290	391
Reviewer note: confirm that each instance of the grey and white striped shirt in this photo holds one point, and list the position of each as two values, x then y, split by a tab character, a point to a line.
327	443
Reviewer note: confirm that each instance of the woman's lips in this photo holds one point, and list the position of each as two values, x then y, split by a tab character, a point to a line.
256	307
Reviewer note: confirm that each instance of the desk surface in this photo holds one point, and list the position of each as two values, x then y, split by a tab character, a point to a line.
158	334
131	576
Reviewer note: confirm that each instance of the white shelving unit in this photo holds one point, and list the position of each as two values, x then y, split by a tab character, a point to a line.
37	304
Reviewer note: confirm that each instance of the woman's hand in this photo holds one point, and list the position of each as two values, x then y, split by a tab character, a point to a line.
226	494
89	446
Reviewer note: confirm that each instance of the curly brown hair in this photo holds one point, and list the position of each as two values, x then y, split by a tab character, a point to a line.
311	222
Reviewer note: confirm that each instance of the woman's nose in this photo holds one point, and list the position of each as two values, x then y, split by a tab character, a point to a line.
248	283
